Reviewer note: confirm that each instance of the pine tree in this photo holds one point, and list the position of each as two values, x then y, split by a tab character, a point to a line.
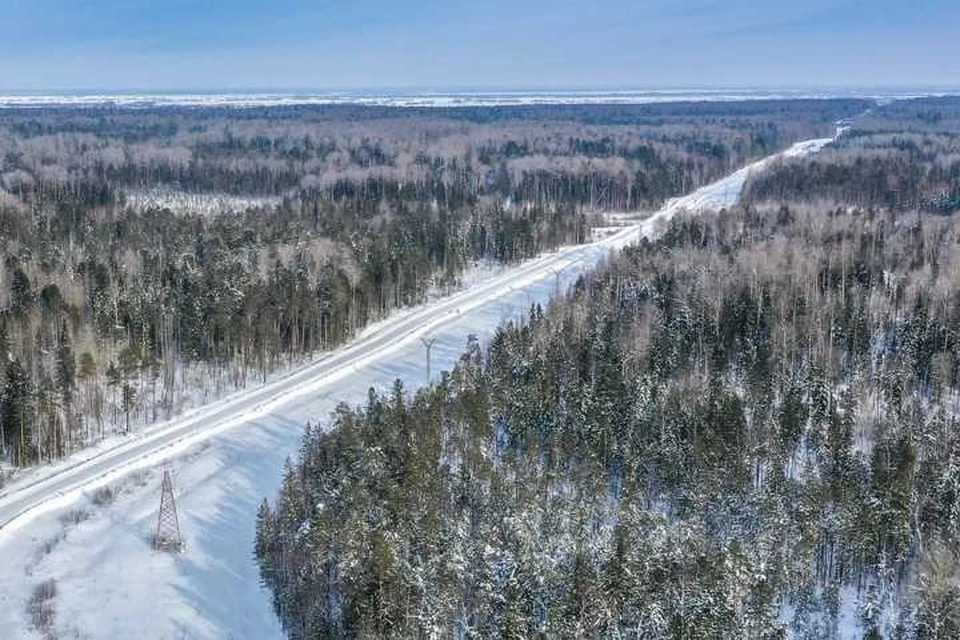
66	368
16	411
938	586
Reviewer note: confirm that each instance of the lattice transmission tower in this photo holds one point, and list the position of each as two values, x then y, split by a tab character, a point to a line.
168	525
428	343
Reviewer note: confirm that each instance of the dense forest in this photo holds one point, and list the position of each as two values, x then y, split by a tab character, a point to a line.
745	429
904	157
157	256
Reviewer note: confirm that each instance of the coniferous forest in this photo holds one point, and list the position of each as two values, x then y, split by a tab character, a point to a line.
158	257
904	157
745	428
498	320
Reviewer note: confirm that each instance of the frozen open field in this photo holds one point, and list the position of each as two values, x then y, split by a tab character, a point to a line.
446	98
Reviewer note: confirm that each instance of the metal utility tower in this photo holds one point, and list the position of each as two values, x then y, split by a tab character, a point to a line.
556	272
428	343
168	525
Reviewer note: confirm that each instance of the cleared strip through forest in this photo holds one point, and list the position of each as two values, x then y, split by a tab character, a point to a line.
24	500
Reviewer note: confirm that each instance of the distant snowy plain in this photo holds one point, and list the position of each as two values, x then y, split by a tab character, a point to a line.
227	457
444	98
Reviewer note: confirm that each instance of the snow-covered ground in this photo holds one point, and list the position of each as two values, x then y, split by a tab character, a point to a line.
210	204
447	98
87	526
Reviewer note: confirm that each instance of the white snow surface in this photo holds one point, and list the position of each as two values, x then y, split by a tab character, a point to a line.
228	456
446	98
209	204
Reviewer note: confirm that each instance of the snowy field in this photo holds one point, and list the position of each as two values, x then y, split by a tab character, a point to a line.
208	204
85	531
447	99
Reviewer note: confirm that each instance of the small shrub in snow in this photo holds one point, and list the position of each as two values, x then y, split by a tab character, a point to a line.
74	516
103	496
41	607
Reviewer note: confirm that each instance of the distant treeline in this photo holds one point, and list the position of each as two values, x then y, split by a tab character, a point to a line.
904	156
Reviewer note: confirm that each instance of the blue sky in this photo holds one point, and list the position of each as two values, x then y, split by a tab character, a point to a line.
354	44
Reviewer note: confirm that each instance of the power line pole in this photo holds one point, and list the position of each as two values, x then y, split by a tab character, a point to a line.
168	525
428	343
556	272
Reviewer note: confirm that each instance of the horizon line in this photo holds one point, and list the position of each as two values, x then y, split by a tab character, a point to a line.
476	90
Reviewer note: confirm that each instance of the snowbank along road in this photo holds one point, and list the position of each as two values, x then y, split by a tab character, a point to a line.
95	544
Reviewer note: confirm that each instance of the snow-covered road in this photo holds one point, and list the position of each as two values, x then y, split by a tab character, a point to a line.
229	455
